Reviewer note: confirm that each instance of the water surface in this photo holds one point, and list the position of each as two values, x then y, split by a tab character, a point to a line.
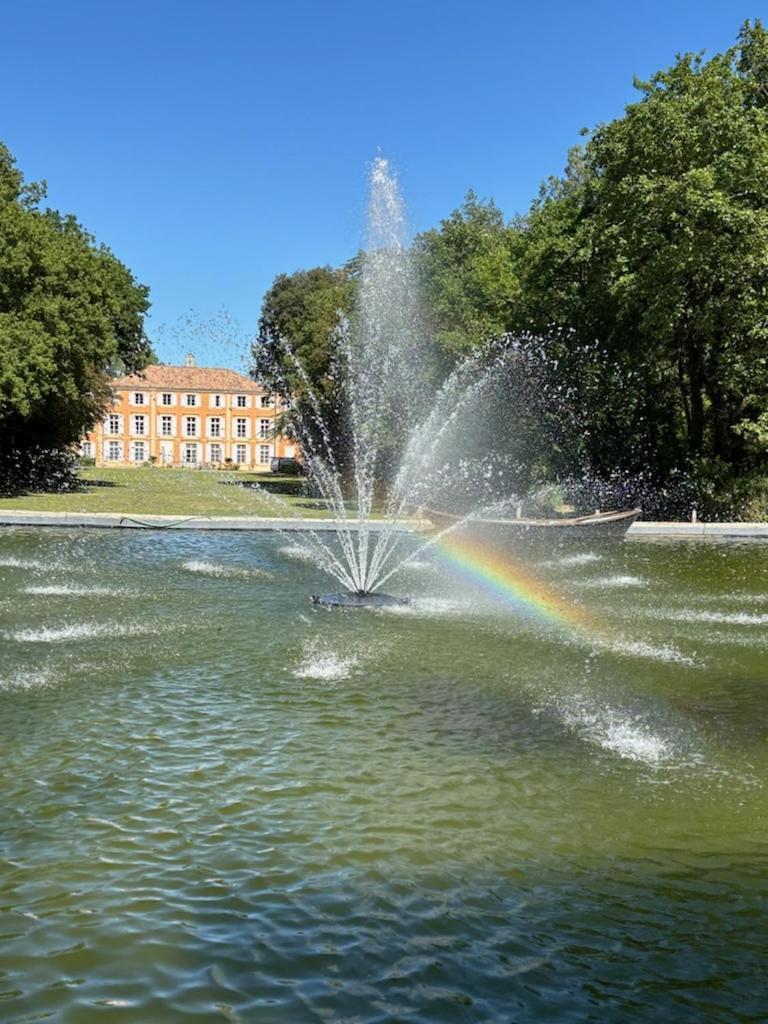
220	803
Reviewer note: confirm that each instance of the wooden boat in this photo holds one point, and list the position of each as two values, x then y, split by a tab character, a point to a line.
597	526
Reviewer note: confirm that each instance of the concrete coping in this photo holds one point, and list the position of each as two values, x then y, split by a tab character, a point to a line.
138	521
698	529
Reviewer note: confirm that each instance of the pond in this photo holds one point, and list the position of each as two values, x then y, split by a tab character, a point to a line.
220	803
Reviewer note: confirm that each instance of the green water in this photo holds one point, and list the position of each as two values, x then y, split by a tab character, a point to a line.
221	804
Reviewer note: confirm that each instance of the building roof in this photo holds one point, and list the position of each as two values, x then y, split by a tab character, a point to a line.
188	378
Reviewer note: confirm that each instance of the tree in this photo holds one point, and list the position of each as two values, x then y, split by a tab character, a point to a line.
70	313
653	250
300	314
296	349
468	276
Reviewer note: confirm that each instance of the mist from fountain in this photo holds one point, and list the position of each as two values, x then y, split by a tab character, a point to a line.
397	420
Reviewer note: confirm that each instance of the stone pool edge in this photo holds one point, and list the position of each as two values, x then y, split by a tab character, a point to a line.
126	520
132	521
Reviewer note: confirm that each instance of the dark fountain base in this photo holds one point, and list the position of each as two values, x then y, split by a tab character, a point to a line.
350	600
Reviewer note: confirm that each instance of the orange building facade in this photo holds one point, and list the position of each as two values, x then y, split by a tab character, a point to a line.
189	416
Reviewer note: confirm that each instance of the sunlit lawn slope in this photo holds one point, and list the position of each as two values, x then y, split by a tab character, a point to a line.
177	492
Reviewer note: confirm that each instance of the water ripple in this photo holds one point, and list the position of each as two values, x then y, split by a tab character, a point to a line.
228	808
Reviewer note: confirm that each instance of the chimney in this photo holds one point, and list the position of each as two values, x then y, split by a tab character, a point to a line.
190	360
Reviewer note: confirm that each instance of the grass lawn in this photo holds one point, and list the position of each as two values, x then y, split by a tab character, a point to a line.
176	492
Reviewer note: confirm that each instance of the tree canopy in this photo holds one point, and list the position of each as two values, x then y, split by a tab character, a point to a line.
302	309
296	349
469	276
655	246
70	313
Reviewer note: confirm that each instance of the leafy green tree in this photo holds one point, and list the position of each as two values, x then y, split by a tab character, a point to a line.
468	276
592	402
70	313
653	250
299	317
296	350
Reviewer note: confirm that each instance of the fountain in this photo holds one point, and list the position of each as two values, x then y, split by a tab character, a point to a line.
393	462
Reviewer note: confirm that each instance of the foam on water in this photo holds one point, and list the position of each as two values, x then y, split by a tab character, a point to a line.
321	662
757	641
298	553
719	618
567	561
642	649
11	562
25	679
609	582
739	597
623	736
618	730
220	571
77	631
645	736
71	590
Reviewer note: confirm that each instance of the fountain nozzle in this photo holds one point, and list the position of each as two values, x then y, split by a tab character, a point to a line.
357	599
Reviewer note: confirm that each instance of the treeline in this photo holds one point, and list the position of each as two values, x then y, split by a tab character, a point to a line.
636	285
71	315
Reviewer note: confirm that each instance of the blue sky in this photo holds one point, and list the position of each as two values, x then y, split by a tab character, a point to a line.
215	143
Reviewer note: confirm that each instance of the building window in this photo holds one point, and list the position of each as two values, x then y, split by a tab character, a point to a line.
265	428
241	453
139	425
241	401
166	398
215	453
266	401
241	427
190	426
264	453
166	452
214	426
113	424
190	454
166	426
114	451
139	451
138	398
86	449
190	400
217	401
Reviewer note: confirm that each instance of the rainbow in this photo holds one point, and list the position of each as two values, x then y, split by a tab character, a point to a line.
511	582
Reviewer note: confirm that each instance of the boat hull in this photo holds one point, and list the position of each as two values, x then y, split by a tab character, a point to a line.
599	527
